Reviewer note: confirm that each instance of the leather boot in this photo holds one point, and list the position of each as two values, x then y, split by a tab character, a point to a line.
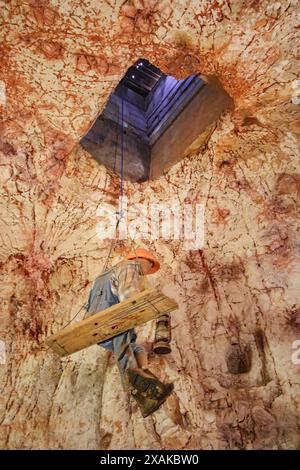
147	390
150	405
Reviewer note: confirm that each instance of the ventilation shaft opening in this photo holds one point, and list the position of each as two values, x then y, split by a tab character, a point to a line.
154	121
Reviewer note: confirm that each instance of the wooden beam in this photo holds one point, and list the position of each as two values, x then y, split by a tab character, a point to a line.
139	309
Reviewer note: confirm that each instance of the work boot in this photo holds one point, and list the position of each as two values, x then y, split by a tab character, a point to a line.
143	380
150	405
148	391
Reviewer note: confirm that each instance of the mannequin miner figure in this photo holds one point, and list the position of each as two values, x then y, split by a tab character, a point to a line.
113	286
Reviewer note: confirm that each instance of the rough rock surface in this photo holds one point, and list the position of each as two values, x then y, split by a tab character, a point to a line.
236	386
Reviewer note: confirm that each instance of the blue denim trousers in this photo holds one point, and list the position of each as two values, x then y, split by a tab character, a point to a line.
123	346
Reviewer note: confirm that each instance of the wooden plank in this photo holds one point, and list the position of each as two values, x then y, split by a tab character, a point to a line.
139	309
111	328
116	322
57	348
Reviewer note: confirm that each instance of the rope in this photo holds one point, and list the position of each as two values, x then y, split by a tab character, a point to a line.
73	318
122	156
117	138
112	245
153	306
120	213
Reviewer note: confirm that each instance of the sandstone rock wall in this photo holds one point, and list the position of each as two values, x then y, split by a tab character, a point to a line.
238	296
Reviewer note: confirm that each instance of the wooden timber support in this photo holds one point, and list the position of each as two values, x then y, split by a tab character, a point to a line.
140	308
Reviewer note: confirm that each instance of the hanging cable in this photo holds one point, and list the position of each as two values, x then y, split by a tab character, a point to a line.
121	195
122	156
73	318
117	138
